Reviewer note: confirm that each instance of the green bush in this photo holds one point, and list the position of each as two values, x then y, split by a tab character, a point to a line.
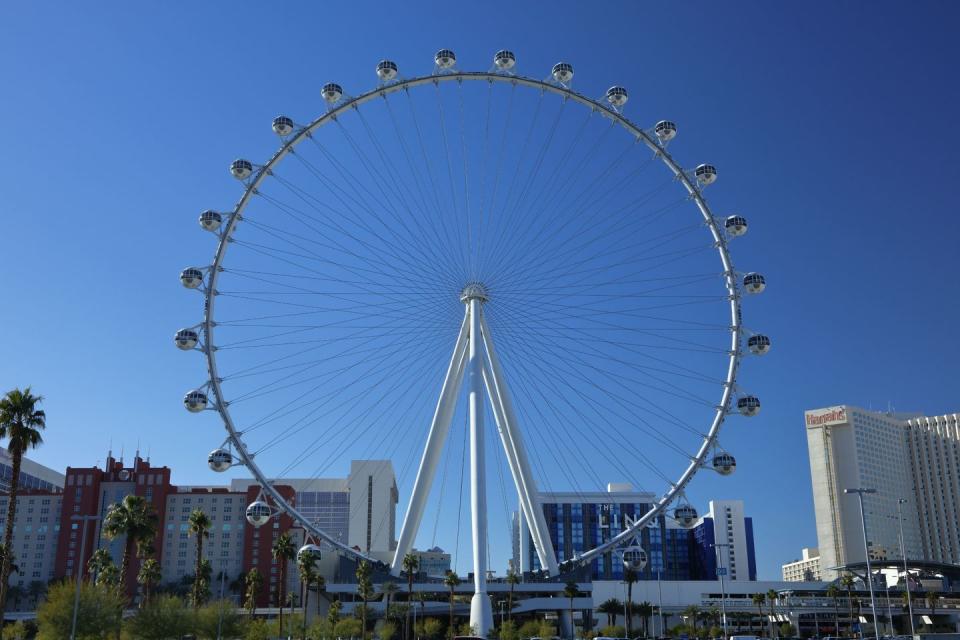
208	618
431	629
614	631
97	615
348	628
18	631
529	629
508	631
165	617
259	629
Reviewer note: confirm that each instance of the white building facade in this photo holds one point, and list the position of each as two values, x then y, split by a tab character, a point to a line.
934	454
806	569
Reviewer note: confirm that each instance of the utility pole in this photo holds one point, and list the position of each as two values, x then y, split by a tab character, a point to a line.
723	594
906	571
866	549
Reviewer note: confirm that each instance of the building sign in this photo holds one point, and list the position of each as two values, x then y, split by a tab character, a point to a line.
826	417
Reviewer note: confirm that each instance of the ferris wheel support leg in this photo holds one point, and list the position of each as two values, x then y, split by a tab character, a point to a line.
439	428
481	611
513	444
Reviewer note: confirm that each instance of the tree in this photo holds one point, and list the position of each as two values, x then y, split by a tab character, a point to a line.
571	591
630	576
611	608
452	581
164	617
198	525
21	422
932	598
306	567
134	519
645	609
771	602
253	585
693	612
37	589
513	580
148	577
101	565
388	589
321	584
365	591
847	581
333	613
759	599
283	552
96	613
348	628
833	593
411	565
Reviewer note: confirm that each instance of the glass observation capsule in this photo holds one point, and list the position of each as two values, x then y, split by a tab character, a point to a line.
258	513
332	92
748	406
634	558
195	401
685	515
724	463
504	60
282	125
241	169
210	220
665	130
220	460
387	70
191	277
735	225
186	339
754	283
617	96
562	72
309	550
759	344
445	58
706	174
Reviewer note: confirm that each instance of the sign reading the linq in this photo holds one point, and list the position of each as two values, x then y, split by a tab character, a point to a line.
826	417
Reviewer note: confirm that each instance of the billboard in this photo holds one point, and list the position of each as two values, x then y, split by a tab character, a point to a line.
826	417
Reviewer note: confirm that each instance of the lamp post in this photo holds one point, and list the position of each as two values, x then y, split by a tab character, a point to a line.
660	605
723	595
83	547
906	571
866	549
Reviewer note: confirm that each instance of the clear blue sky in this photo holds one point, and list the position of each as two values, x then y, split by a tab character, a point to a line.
834	128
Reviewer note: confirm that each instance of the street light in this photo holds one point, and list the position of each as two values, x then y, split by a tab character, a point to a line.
866	549
906	571
723	595
83	547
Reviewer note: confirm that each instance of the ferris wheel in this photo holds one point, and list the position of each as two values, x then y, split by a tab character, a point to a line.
460	257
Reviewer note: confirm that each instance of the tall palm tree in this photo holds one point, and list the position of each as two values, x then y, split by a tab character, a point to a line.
571	591
932	598
148	577
306	567
254	584
759	599
693	612
388	589
283	552
630	576
513	580
333	614
771	602
833	593
645	609
365	591
198	525
411	564
321	584
20	421
611	608
132	518
847	581
452	581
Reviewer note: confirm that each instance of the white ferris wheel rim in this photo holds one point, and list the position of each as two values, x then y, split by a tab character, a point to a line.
697	460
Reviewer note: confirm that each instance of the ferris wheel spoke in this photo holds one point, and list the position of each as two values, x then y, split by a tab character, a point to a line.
464	248
501	161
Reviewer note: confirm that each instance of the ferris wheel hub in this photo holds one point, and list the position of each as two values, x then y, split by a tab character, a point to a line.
474	291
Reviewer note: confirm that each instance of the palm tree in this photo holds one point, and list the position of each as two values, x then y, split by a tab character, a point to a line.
513	580
365	591
759	599
847	581
21	422
630	576
148	576
388	589
321	584
198	525
411	564
36	589
932	598
833	593
452	581
693	612
283	552
134	518
306	567
254	584
611	608
771	601
645	609
333	614
571	591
